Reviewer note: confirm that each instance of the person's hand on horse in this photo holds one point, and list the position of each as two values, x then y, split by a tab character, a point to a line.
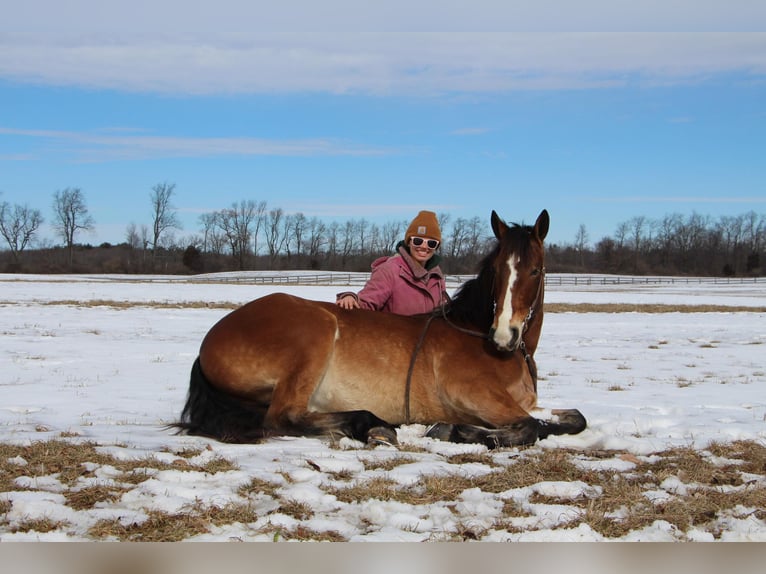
348	302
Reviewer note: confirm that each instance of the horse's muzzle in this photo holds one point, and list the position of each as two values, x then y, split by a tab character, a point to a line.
506	340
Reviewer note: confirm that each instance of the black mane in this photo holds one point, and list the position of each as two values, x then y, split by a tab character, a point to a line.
474	302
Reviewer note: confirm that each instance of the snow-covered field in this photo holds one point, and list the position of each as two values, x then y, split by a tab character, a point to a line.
115	376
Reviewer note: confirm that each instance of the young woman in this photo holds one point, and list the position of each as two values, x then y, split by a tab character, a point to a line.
410	282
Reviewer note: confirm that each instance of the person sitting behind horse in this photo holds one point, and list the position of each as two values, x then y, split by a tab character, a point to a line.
410	282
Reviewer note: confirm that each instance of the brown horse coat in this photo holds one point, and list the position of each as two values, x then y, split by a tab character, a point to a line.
339	360
286	365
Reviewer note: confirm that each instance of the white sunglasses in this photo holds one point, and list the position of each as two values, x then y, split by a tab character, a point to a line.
418	241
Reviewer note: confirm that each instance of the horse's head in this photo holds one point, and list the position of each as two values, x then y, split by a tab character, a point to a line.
519	276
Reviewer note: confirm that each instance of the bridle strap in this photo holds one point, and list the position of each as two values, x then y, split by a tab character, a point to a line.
531	365
413	358
533	307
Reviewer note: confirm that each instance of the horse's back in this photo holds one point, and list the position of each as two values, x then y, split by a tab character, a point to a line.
334	356
257	343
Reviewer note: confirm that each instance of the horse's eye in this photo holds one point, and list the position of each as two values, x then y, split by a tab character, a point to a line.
535	272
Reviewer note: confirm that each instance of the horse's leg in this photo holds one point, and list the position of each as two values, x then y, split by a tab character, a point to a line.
289	411
295	419
521	433
493	416
360	425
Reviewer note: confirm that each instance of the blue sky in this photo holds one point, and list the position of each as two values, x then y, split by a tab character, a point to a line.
346	113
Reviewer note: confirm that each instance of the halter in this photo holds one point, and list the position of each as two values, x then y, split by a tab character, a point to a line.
442	310
533	306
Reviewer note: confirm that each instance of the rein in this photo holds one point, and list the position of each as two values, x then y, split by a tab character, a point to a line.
442	310
413	358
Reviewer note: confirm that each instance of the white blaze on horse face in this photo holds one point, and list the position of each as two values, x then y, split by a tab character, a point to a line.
503	335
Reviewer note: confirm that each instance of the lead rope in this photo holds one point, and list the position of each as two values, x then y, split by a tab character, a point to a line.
442	310
413	358
416	350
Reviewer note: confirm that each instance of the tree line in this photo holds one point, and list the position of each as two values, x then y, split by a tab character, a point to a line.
250	235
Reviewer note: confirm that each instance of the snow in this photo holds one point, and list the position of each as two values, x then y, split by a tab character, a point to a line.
116	376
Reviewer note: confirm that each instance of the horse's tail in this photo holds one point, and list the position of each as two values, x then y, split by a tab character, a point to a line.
211	413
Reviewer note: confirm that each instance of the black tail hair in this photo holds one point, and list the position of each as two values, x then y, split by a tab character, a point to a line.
211	413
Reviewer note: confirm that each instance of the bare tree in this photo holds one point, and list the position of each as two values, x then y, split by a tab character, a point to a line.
689	236
288	234
333	234
260	218
637	227
375	242
207	221
238	224
457	237
145	241
18	225
476	235
297	230
621	235
443	219
70	216
637	230
275	233
213	241
664	237
362	227
346	242
132	237
391	234
163	212
316	238
581	243
754	227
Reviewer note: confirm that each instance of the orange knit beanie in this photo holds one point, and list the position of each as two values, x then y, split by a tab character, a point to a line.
425	224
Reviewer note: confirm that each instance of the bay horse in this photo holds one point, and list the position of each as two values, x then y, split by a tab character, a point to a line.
283	365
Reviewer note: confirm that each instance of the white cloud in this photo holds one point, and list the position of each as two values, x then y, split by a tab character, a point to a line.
203	21
97	147
681	199
370	63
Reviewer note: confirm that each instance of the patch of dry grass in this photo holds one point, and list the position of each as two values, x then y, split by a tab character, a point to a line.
40	525
89	497
682	486
304	534
157	527
388	463
152	304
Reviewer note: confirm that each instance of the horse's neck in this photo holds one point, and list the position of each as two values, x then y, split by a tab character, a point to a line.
472	308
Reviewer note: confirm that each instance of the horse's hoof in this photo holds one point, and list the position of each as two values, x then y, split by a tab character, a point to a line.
440	431
377	436
571	421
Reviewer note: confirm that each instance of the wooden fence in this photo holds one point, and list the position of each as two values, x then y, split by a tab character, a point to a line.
551	279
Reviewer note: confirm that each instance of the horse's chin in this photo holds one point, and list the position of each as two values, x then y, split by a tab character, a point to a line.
508	348
508	343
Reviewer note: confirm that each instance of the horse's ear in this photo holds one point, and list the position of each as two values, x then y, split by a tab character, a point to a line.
542	224
498	225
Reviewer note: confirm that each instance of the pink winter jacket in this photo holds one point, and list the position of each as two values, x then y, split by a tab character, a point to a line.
399	285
